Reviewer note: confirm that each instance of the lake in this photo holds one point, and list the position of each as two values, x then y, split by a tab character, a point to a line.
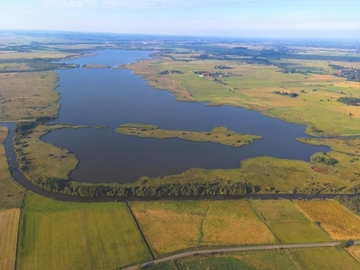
111	97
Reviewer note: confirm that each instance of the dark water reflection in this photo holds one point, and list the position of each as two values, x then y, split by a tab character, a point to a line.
112	97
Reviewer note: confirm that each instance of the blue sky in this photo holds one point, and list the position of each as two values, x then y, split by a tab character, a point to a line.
235	18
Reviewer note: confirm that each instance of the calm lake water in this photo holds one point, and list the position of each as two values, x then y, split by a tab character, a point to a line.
112	97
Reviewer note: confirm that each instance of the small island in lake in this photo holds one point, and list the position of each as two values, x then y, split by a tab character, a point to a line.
95	66
217	135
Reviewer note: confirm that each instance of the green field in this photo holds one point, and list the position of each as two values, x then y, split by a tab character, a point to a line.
242	260
288	223
325	258
174	226
217	135
63	235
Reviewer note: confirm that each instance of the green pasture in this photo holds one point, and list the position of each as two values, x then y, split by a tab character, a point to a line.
64	235
325	258
288	223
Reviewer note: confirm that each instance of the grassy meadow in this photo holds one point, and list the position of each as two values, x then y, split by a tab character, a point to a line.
63	235
217	135
9	224
325	258
339	222
36	54
28	95
11	194
174	226
44	160
273	175
288	223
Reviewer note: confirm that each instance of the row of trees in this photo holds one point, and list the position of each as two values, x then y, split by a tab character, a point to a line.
283	93
161	190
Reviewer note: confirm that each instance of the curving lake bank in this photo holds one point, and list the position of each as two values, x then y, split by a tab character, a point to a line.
112	97
21	179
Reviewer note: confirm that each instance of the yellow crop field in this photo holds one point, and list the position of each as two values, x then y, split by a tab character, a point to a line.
337	220
288	223
175	226
63	235
9	224
325	258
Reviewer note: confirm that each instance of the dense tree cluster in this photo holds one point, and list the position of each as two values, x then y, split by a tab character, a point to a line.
35	64
351	74
352	203
223	67
352	101
173	71
324	159
282	93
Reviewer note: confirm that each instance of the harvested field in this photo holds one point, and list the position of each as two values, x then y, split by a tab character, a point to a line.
336	219
354	251
174	226
288	223
9	224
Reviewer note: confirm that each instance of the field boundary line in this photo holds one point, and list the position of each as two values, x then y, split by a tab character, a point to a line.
141	232
18	231
353	258
358	261
263	220
296	260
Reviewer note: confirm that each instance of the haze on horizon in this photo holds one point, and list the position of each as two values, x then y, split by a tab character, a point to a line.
235	18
